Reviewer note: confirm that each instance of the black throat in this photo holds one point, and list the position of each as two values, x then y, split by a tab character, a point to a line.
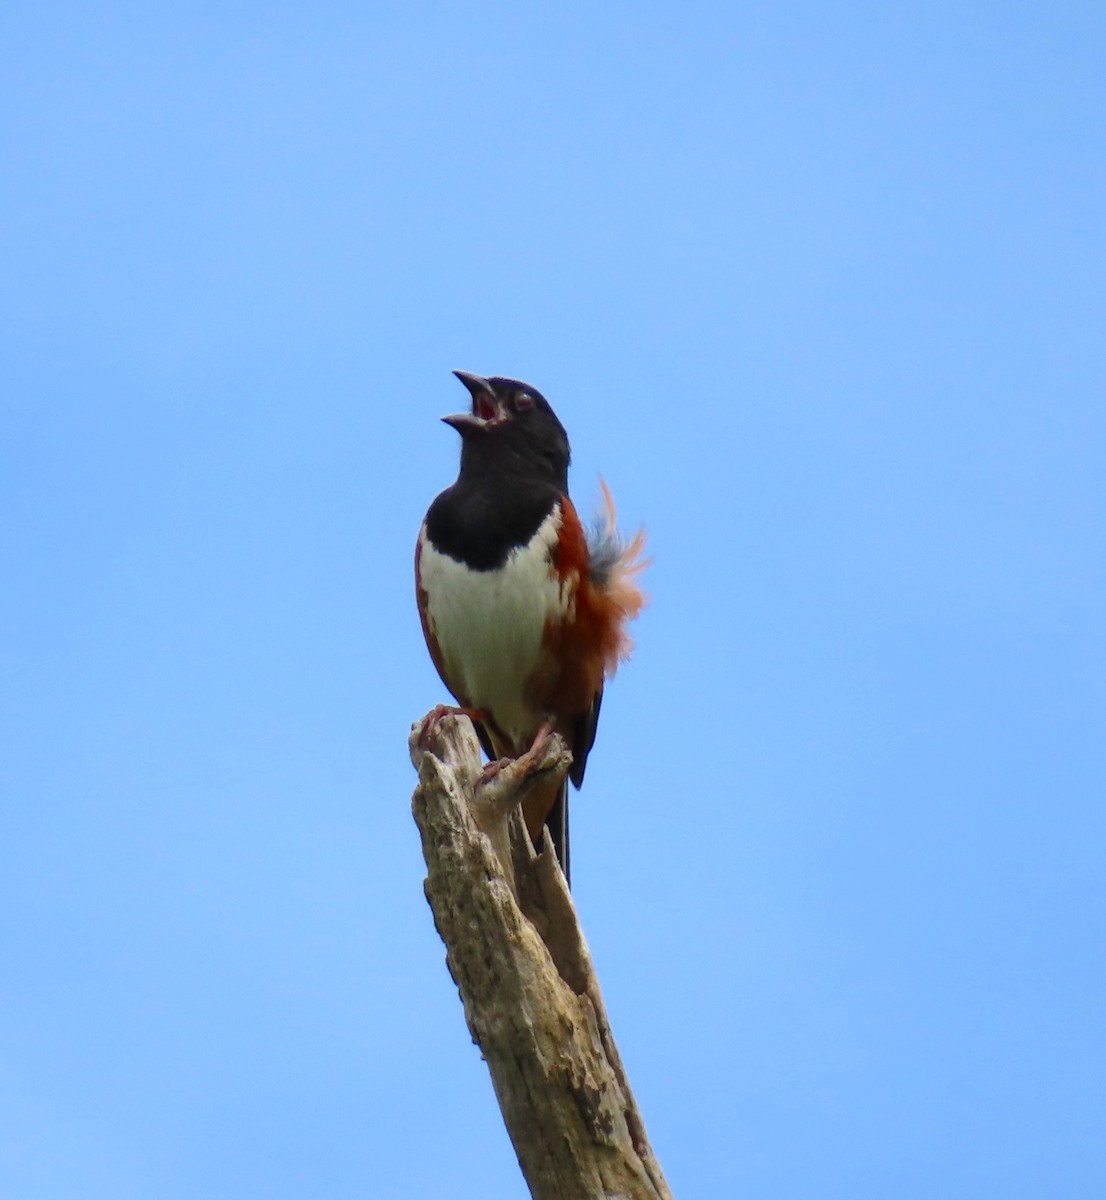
502	495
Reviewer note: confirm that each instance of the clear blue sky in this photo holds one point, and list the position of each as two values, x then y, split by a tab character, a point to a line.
819	289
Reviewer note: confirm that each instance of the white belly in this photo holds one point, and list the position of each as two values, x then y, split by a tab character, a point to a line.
489	626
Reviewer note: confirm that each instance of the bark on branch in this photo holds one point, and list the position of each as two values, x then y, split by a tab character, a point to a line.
520	962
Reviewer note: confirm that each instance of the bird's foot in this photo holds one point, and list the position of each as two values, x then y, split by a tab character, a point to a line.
492	769
544	730
432	719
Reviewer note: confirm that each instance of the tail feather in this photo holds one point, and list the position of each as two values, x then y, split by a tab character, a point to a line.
557	824
546	807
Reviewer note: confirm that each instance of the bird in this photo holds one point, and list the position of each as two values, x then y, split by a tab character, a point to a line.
524	608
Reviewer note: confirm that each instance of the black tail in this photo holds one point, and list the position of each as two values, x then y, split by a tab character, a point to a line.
557	824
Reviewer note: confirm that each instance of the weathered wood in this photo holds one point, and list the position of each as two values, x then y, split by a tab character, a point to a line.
516	952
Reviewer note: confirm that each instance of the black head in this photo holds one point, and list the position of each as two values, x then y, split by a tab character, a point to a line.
510	430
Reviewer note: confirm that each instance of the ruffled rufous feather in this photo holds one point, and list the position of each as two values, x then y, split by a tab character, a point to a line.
613	566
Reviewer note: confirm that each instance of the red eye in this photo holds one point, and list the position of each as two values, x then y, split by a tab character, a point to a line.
523	401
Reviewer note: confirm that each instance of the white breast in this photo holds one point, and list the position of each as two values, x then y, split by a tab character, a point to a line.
489	625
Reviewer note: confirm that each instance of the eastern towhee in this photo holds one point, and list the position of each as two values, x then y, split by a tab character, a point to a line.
523	609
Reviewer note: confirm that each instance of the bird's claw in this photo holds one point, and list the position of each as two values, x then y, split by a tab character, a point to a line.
492	769
434	718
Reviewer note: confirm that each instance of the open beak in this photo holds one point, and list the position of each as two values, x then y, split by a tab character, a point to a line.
485	405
